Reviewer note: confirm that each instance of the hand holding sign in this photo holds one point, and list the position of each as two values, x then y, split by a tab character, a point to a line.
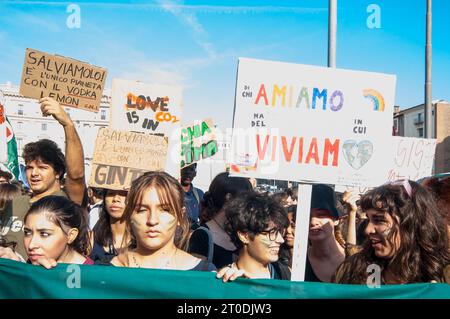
50	107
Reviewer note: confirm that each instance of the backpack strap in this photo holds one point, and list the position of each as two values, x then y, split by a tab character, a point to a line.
210	254
194	190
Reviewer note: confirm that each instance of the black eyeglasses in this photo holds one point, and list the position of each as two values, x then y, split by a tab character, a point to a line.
273	233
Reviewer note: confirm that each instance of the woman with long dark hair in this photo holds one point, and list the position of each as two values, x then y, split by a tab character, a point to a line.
56	231
222	189
406	237
109	233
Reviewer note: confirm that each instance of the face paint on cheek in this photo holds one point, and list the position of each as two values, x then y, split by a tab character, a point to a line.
265	241
386	232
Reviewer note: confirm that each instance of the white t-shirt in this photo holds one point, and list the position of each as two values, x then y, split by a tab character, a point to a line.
94	214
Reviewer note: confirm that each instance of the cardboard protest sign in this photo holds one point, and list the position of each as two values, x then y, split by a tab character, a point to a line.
308	123
198	141
120	157
146	108
70	82
413	159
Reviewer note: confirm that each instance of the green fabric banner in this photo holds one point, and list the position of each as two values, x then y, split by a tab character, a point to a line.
20	280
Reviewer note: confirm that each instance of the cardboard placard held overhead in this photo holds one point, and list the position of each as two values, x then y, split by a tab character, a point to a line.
120	157
70	82
147	108
198	141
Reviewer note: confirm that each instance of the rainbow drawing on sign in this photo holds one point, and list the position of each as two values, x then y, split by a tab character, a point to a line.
377	99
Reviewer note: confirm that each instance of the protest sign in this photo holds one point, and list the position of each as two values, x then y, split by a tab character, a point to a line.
70	82
198	141
308	123
413	159
146	108
120	157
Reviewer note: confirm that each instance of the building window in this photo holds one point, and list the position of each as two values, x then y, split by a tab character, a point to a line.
44	127
19	125
420	130
20	110
103	115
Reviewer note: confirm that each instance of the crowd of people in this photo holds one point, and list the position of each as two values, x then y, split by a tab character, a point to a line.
402	227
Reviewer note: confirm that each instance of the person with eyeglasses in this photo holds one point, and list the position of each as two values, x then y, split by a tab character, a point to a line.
256	224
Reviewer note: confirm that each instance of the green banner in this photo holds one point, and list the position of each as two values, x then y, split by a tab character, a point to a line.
20	280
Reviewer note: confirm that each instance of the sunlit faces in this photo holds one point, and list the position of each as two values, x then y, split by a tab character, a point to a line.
321	224
44	238
115	203
265	246
290	231
380	226
41	176
154	225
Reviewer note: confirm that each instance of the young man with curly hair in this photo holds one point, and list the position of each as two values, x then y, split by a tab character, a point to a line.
46	166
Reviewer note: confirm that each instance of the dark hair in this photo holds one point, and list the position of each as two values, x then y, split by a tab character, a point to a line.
102	229
251	212
48	152
424	249
281	197
440	188
214	199
285	250
8	192
293	192
170	194
6	175
66	214
98	192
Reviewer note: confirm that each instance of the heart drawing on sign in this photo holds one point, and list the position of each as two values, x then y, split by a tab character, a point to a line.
357	154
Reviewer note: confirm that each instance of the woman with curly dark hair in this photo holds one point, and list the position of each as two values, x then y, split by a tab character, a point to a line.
256	224
406	237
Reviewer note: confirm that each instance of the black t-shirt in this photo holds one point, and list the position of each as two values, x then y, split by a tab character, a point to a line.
310	275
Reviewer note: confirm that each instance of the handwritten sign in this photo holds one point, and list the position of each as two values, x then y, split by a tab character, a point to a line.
198	141
308	123
70	82
146	108
120	157
413	159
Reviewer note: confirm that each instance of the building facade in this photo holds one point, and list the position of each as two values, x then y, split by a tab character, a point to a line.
30	125
411	123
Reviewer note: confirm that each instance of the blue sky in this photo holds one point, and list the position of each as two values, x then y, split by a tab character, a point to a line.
196	44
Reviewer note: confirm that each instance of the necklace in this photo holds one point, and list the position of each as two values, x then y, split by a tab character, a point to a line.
165	266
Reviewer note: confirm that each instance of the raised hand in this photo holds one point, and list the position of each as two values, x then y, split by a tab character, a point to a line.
50	107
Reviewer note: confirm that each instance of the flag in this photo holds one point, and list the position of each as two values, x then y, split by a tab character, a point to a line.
13	160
